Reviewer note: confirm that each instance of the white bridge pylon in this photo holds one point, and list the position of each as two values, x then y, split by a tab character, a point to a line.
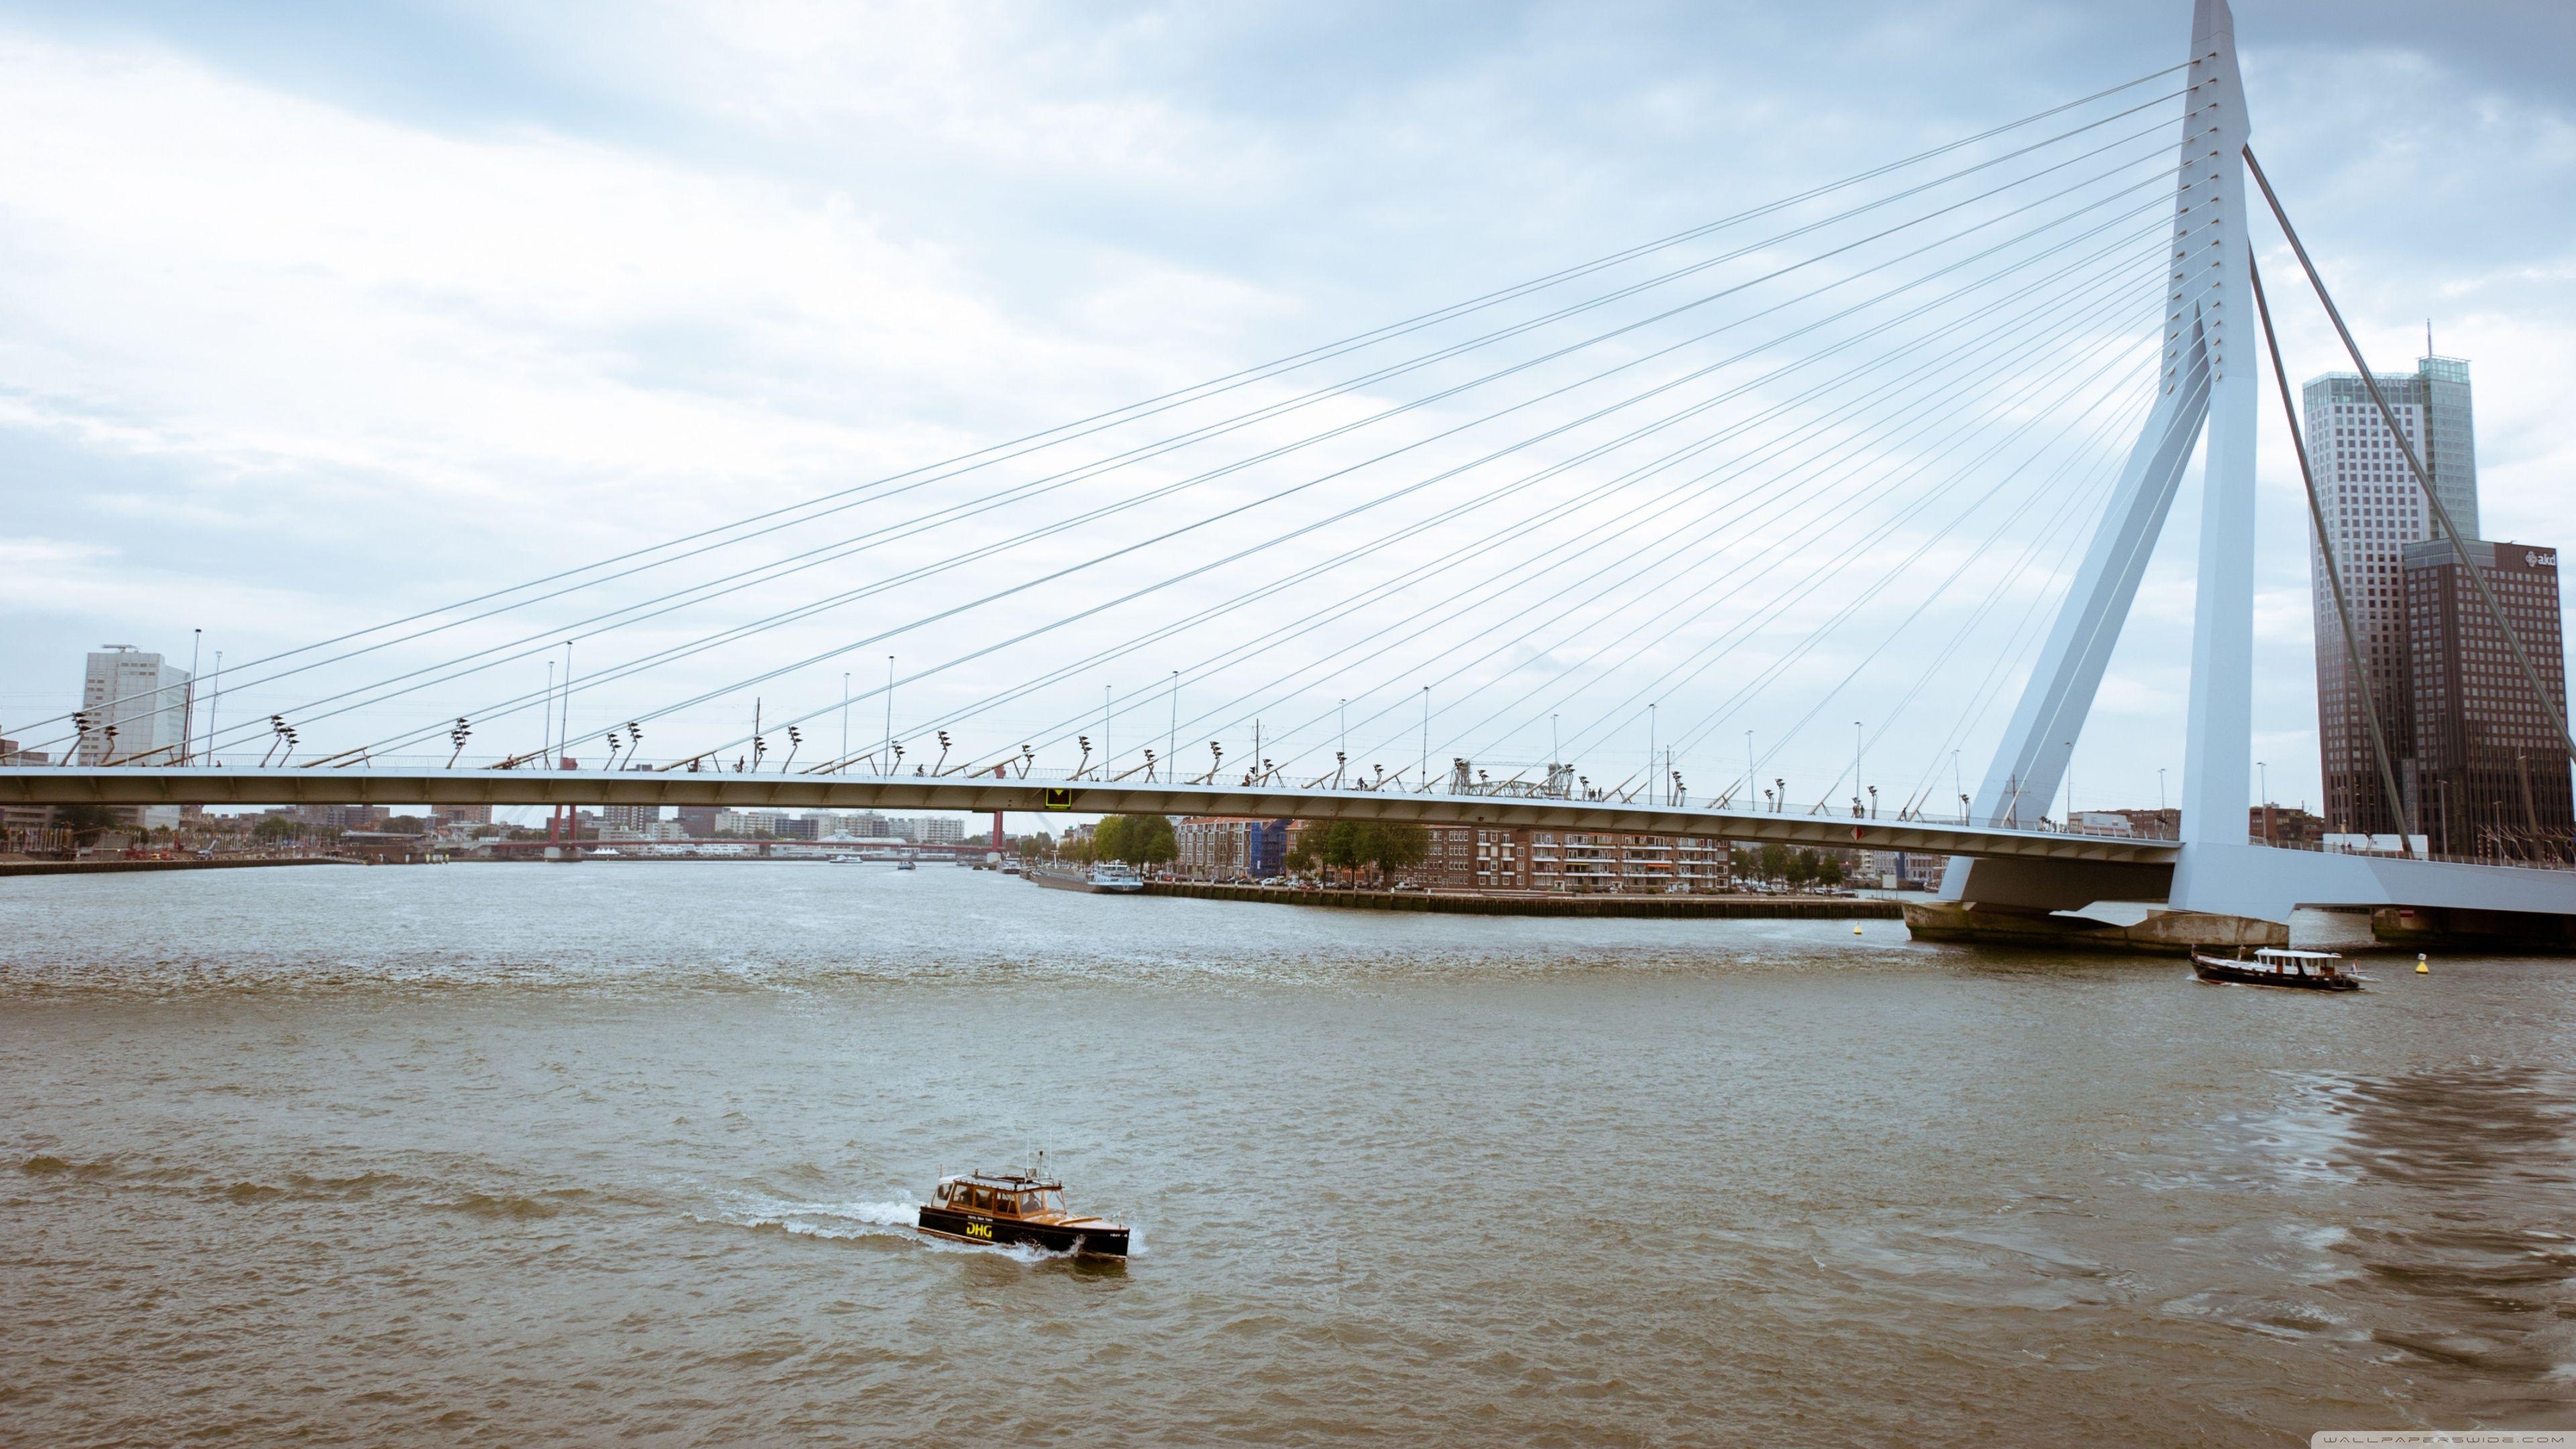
2208	381
2196	390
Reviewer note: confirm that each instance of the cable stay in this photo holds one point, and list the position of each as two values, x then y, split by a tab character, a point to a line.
793	514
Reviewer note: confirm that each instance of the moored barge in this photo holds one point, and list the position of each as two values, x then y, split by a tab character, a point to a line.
1108	878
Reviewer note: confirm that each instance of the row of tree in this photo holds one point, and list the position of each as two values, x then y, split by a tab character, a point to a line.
1350	848
1135	839
1353	846
1793	867
1376	849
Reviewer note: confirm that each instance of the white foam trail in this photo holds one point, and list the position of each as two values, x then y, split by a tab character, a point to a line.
825	1219
882	1214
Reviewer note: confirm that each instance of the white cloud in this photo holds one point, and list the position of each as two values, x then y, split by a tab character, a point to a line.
262	280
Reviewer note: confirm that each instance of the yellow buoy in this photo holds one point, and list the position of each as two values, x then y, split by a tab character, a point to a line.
1855	930
2420	968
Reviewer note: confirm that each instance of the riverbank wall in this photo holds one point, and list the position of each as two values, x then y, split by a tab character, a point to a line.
1793	908
120	867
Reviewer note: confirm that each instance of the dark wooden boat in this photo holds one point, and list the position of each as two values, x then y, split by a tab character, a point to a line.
1017	1207
2278	966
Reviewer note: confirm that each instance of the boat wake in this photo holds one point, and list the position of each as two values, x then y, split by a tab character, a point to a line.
819	1219
855	1220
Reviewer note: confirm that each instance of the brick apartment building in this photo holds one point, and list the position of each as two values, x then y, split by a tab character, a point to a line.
1580	862
1225	847
1468	858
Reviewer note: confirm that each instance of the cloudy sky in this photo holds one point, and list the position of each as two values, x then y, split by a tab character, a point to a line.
313	316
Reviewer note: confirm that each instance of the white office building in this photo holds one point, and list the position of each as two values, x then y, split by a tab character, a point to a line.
134	709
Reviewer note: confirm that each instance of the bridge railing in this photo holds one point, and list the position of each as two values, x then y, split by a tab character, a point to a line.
1352	782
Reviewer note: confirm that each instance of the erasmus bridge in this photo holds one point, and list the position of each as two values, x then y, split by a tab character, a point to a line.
1914	431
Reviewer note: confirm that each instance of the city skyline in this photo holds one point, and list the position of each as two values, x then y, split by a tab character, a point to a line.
584	486
2476	764
1104	722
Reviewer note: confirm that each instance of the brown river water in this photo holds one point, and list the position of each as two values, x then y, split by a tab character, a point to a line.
626	1153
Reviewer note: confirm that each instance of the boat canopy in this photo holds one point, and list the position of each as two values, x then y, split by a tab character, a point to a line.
2283	953
1007	1181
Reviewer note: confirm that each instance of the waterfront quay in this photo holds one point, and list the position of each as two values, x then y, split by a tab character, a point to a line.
31	866
1489	903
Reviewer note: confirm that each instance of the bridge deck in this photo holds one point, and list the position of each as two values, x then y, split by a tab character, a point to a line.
42	785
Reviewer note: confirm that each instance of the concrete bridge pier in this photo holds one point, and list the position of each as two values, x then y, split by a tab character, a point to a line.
2243	895
2164	932
2077	906
2460	928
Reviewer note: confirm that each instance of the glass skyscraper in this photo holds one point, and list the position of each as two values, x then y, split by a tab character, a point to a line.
2373	509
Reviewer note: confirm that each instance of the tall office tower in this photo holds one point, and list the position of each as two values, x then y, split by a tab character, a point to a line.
2490	769
629	817
144	700
2373	509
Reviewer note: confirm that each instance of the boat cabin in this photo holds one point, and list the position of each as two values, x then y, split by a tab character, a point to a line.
1002	1194
2282	961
